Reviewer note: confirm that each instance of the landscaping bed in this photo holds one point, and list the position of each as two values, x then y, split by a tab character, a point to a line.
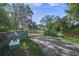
26	47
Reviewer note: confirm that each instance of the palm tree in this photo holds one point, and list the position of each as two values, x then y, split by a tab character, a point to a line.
73	10
61	23
47	21
56	24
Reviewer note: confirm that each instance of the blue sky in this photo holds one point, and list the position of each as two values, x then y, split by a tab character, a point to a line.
42	9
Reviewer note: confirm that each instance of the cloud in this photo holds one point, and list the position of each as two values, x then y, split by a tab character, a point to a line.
54	4
36	4
34	11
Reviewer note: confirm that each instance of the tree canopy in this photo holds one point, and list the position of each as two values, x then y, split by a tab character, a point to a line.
5	23
73	10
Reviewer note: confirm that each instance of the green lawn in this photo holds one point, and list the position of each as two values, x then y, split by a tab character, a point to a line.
74	40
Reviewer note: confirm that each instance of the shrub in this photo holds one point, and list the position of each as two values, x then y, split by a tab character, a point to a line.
50	33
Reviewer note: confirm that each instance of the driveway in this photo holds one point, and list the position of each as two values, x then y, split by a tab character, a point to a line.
54	47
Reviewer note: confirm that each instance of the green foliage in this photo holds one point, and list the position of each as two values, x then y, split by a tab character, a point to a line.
34	48
22	34
73	39
30	48
56	24
20	14
47	21
73	10
5	24
34	26
51	33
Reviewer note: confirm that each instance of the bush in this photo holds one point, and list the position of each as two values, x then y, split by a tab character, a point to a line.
22	34
50	33
5	24
3	37
3	43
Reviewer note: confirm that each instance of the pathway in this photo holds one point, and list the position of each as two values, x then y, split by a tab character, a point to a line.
53	47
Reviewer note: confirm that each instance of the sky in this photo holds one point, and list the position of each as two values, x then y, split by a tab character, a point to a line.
42	9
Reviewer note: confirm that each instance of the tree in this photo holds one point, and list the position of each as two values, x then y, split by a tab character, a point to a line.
13	10
34	25
64	23
29	24
5	24
73	11
47	21
61	24
56	24
20	15
25	15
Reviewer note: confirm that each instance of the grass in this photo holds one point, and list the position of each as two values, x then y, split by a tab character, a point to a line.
40	33
74	40
34	48
27	48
